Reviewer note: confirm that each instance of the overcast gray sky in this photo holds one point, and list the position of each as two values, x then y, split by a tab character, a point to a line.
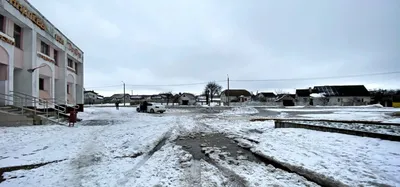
158	42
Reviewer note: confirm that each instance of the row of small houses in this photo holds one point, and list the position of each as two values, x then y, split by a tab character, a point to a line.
348	95
91	97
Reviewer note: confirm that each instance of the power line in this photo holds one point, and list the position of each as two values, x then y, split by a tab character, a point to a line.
104	86
155	85
316	78
248	80
161	85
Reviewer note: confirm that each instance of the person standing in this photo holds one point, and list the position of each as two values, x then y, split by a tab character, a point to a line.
117	104
72	118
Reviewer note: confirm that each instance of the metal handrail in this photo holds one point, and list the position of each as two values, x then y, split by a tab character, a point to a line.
25	98
25	95
15	105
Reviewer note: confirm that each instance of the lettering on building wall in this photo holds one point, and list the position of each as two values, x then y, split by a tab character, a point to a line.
30	15
7	40
45	58
59	39
75	51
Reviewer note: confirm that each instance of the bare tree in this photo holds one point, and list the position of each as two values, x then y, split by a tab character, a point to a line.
279	91
214	89
168	95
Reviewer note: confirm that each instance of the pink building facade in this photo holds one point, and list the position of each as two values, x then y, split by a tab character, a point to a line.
36	59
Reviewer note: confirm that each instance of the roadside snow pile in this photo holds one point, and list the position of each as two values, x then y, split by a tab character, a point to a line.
374	106
241	110
175	110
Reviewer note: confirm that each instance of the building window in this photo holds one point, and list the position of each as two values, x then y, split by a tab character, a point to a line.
338	100
68	90
41	84
70	63
17	36
76	67
44	48
362	99
2	21
56	57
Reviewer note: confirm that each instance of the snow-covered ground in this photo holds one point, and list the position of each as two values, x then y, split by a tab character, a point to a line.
124	148
350	159
363	113
240	111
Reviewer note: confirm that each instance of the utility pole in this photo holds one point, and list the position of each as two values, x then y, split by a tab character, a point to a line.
228	92
124	91
131	92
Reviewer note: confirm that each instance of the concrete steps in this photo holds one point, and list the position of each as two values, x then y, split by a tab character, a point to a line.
13	116
11	119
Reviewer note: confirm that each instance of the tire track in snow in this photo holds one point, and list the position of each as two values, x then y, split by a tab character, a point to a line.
192	174
234	179
129	174
89	156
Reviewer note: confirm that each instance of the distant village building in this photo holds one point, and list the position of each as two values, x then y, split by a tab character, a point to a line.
347	95
286	99
303	97
187	99
396	101
235	95
120	97
91	97
266	96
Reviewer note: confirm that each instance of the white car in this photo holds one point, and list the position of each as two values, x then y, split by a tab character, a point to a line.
151	108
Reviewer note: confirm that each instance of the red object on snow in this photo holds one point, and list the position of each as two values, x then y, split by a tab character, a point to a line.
72	117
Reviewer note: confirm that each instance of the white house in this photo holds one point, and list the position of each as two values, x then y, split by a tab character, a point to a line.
36	59
343	95
187	99
235	95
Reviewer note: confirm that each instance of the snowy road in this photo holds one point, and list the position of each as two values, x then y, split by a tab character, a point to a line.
125	148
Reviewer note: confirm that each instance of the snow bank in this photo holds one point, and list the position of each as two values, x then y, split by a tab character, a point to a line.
380	129
349	159
367	108
241	110
349	115
317	95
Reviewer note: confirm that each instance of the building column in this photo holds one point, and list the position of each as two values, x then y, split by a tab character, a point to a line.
61	83
74	91
24	80
10	81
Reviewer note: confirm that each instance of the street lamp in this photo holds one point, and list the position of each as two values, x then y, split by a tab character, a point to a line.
124	91
33	69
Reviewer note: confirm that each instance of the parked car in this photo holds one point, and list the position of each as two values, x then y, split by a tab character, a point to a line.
150	108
